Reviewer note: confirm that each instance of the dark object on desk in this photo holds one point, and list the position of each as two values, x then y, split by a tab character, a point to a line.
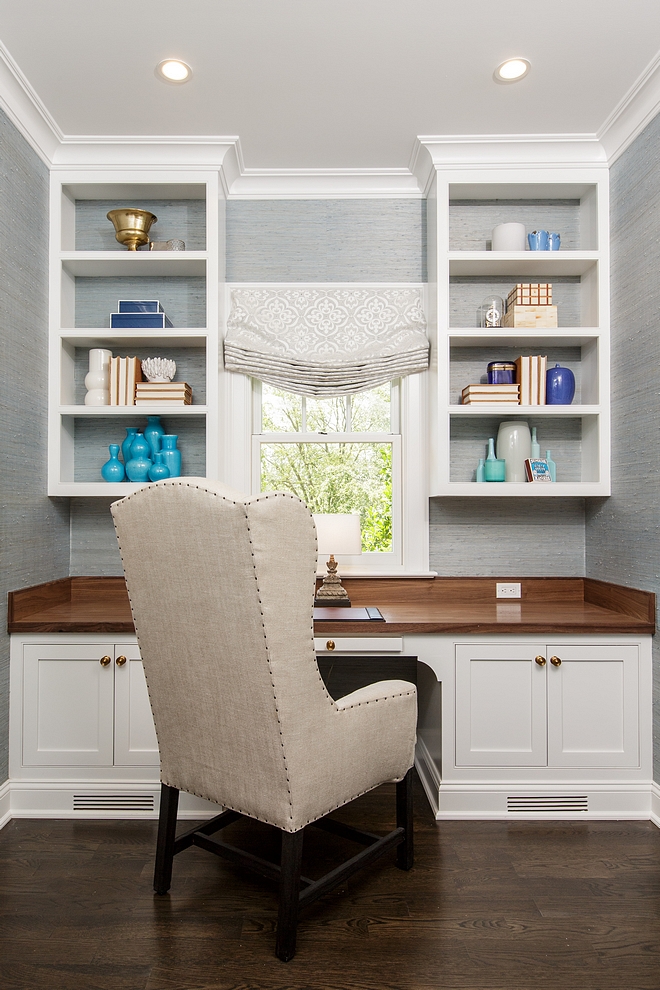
325	614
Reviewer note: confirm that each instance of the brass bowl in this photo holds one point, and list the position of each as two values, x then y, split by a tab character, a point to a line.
132	226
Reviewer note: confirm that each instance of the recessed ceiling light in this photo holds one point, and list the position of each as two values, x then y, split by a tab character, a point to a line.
173	70
512	70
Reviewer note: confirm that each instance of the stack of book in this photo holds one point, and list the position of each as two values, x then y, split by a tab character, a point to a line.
530	375
125	373
173	393
473	394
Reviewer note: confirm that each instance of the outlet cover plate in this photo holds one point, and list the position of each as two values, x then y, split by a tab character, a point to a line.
508	590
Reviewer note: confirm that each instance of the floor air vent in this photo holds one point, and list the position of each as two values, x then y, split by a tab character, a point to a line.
548	803
113	802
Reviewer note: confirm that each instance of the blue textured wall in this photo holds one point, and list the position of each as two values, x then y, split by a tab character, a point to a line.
623	532
34	530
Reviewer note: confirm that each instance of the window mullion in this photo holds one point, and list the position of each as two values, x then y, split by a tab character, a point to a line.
304	415
349	426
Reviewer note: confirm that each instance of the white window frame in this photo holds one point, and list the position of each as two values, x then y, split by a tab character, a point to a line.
240	465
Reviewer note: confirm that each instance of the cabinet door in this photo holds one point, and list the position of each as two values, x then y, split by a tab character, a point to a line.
135	737
67	706
500	706
593	706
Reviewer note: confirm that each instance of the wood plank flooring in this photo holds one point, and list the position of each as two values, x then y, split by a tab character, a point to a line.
488	906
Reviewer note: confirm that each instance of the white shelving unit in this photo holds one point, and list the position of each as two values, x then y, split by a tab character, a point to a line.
463	271
89	272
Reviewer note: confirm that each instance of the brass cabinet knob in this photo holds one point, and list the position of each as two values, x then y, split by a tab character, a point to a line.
120	661
555	661
540	661
330	645
104	661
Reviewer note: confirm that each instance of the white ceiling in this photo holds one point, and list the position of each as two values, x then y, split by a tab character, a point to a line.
323	84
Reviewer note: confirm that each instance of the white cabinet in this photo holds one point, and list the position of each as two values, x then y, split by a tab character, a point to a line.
86	706
89	272
463	209
547	705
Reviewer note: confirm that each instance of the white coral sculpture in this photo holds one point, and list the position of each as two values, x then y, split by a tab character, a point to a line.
159	369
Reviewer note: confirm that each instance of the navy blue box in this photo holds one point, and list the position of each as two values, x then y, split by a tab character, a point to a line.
139	306
136	321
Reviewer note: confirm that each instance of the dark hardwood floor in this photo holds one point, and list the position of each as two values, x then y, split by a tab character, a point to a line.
512	906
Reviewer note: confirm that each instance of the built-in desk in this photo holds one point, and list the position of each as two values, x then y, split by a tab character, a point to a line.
538	707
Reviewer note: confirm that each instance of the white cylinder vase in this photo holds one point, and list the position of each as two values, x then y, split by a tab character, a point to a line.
97	380
514	445
509	237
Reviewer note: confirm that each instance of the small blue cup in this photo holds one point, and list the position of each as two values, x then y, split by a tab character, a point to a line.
538	240
554	240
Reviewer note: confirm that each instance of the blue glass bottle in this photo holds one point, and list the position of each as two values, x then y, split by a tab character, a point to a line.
126	445
552	467
158	470
152	434
171	456
138	466
113	469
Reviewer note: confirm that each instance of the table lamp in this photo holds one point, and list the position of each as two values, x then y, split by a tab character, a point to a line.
337	533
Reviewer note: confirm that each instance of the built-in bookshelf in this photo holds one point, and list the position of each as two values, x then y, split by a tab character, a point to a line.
90	271
464	270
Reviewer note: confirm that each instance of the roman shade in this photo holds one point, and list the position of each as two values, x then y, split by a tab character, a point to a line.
326	340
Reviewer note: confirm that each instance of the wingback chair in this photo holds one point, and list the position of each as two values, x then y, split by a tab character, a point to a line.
221	587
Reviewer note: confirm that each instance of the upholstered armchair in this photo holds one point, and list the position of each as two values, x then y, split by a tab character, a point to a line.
221	588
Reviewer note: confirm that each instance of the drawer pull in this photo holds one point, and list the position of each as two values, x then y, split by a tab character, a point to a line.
330	645
104	661
540	661
120	661
555	661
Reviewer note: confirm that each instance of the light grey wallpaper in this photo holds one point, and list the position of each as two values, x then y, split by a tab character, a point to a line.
623	532
34	530
341	240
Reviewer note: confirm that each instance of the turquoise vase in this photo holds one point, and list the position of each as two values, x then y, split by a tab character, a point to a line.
153	433
159	470
171	456
113	470
126	446
138	466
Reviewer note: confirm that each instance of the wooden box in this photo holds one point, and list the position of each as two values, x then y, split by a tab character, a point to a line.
530	294
536	317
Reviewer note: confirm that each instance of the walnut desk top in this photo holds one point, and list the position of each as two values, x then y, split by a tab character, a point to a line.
408	605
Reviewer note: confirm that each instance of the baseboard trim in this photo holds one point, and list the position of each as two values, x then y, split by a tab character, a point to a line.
505	801
655	803
100	799
428	774
5	804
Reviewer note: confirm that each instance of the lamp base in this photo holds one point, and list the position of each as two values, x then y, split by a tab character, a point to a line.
332	602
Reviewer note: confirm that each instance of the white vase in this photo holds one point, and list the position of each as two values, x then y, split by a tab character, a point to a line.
97	380
514	444
509	237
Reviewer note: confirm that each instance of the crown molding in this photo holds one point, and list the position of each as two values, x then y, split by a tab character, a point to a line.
637	109
26	111
383	183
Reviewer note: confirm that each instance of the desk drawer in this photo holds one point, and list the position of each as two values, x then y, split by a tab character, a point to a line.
356	644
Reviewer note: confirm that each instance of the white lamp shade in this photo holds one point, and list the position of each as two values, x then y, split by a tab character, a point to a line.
338	532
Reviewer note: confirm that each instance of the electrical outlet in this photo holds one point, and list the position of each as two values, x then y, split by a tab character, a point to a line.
508	590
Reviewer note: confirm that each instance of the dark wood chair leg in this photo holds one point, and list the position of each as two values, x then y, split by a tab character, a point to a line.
404	819
169	803
287	917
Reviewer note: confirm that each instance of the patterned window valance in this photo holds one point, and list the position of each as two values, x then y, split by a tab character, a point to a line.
326	341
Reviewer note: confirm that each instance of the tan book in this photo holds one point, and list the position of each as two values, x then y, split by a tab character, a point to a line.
163	386
123	372
114	381
503	400
543	367
169	402
524	380
133	375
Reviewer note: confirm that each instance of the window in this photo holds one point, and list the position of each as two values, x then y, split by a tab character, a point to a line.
339	454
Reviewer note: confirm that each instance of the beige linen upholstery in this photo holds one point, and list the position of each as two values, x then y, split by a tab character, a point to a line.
222	588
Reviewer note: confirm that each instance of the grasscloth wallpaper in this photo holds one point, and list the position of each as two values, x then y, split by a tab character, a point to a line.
623	532
34	530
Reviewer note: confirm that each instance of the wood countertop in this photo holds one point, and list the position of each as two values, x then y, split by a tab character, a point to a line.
408	605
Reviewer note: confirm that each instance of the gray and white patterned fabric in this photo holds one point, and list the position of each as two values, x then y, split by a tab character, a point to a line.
222	591
326	341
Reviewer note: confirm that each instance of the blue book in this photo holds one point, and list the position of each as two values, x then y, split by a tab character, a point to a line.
133	321
139	306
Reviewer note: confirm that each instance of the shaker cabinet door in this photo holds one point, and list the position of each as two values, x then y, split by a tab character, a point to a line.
500	706
135	737
68	698
593	706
